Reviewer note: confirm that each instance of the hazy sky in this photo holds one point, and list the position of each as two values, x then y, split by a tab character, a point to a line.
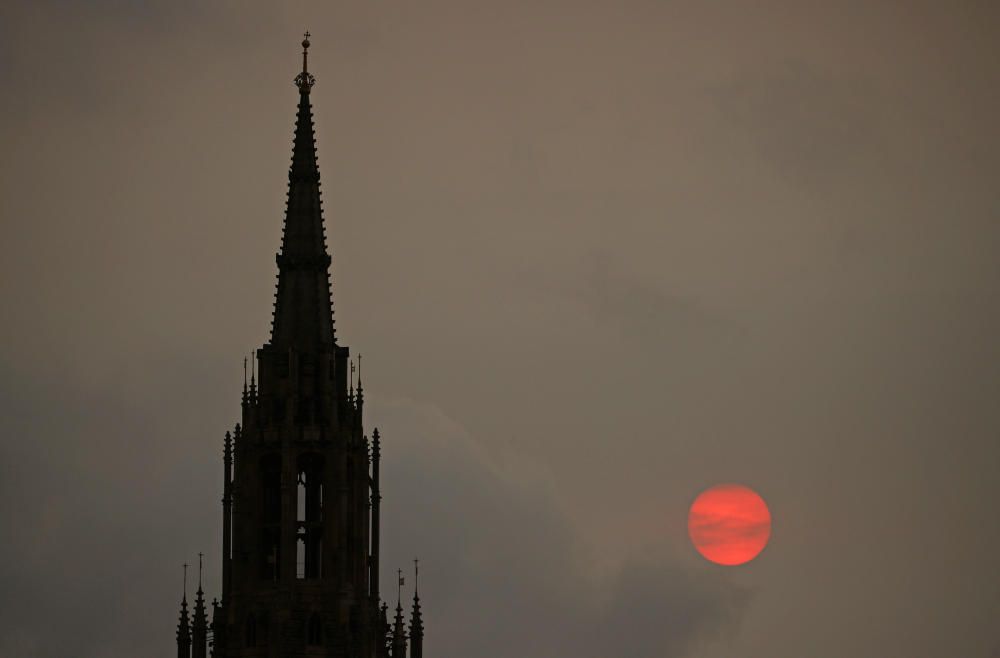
598	256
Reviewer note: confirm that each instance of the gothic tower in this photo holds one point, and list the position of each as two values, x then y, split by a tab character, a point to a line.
301	496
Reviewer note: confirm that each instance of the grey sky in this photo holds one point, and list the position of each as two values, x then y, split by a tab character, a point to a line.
598	257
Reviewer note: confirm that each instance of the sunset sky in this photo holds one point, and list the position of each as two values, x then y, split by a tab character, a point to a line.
598	257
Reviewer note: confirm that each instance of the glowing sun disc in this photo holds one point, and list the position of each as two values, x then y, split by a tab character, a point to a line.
729	524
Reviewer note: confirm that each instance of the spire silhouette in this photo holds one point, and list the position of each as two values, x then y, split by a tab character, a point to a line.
416	620
199	626
303	311
253	379
301	481
350	381
183	626
385	630
398	629
360	399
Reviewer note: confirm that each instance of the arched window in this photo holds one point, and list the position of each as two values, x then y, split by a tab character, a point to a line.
314	632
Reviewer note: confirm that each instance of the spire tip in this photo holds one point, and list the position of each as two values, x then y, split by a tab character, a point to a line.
305	80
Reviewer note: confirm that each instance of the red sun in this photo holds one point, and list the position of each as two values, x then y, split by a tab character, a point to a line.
729	524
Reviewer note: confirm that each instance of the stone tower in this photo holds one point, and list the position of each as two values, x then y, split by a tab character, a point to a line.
301	497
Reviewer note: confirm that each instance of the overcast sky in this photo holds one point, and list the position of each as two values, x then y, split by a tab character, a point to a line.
598	257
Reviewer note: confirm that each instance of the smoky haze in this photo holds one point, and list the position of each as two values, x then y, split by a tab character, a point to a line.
598	257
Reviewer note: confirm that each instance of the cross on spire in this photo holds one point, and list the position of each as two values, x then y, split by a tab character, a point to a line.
304	81
305	52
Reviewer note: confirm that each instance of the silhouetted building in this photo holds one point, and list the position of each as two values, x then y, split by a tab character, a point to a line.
300	538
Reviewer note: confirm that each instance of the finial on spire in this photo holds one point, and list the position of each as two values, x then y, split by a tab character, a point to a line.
361	391
416	619
183	623
185	590
350	380
305	80
253	379
399	589
199	625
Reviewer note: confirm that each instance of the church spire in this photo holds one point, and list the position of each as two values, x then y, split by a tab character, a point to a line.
303	311
299	455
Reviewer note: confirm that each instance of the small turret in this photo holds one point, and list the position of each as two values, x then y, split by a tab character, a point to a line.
253	381
361	391
227	509
183	627
376	507
386	632
399	635
218	642
398	628
199	627
416	621
350	381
